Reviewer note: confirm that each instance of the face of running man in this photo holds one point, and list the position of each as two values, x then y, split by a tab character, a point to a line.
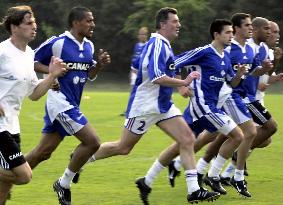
86	26
263	32
246	28
226	35
26	30
171	27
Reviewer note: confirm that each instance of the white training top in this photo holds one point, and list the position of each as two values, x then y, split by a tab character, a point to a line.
17	80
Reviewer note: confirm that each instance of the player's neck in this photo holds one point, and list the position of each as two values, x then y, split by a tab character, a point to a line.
78	37
218	46
257	42
240	40
19	43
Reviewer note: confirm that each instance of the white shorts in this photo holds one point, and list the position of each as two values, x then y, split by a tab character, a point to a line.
140	124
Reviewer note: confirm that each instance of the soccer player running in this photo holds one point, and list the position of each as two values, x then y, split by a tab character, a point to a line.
63	116
267	126
150	103
18	80
210	92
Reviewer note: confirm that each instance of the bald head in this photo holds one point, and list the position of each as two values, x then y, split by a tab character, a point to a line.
258	22
261	29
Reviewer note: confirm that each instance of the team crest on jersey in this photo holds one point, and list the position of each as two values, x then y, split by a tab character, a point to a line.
222	63
76	79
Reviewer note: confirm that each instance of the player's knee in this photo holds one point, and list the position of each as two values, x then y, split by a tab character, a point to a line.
250	134
187	141
273	127
24	178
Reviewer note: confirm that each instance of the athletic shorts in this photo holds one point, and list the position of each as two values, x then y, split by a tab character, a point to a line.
66	123
259	112
10	151
235	107
213	122
139	125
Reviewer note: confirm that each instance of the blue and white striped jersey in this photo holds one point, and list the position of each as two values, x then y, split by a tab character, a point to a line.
136	54
243	55
156	61
251	83
79	59
211	89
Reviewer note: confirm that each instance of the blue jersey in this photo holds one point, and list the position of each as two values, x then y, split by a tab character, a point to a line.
136	54
243	55
79	59
156	61
215	71
251	83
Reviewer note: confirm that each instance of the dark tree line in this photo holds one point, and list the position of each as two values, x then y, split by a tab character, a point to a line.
117	21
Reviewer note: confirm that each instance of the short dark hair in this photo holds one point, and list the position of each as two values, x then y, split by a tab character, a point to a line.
15	16
77	14
162	15
217	26
237	19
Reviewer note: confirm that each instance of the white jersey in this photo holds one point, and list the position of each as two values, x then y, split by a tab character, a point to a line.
156	61
264	79
17	80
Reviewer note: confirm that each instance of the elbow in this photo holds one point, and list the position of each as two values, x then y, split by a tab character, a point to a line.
34	98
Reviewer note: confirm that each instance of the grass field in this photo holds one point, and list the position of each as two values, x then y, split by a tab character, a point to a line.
111	181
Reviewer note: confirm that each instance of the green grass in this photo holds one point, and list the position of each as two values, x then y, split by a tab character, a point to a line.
111	181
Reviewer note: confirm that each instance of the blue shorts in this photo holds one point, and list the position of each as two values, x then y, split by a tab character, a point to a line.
66	123
213	122
237	109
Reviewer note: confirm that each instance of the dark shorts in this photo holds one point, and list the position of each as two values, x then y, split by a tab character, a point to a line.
259	112
10	151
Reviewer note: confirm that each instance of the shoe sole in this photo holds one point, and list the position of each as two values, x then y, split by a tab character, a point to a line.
213	198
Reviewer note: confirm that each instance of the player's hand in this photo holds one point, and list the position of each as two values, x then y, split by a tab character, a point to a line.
279	77
262	86
277	53
267	65
242	69
57	67
103	59
193	75
2	113
186	91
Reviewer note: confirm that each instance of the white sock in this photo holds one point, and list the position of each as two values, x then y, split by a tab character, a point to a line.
228	170
65	180
202	166
192	180
239	175
178	163
152	173
216	166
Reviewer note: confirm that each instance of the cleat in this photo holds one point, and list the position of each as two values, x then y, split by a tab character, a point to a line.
172	173
76	178
144	190
215	184
241	187
64	195
202	195
200	180
225	181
